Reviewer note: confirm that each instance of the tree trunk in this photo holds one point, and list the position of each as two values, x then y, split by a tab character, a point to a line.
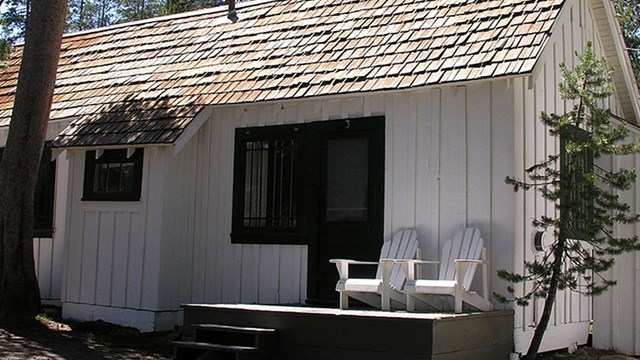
19	292
81	16
538	334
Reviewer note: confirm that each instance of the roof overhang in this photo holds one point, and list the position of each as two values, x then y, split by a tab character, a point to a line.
192	128
616	54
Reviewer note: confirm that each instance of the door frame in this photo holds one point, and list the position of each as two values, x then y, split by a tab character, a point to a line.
375	127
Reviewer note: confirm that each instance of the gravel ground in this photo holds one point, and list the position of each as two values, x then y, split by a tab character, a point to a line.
585	353
51	338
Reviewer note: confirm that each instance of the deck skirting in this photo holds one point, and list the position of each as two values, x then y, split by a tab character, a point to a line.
319	333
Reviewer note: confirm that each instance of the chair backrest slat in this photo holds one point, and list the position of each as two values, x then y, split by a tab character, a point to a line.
404	245
466	244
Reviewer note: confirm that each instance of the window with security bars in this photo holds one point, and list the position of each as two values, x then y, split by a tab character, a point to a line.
265	208
269	182
576	202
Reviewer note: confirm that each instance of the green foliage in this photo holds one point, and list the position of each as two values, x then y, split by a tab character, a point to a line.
13	19
90	14
628	12
586	198
132	10
179	6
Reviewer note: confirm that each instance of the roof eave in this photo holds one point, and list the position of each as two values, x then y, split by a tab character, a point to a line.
630	82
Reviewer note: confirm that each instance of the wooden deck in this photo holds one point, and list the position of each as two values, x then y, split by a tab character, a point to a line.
321	333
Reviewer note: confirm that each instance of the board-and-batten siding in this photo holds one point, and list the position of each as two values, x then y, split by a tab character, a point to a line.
539	92
112	251
616	319
447	153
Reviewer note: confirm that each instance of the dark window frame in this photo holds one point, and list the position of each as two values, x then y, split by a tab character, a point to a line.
306	182
575	229
44	197
113	156
269	233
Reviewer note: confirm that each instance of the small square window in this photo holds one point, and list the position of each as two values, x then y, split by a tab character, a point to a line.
113	176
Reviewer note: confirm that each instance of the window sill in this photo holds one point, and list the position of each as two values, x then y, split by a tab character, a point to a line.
111	198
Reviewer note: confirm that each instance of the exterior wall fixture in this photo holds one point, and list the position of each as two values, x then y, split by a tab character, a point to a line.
541	239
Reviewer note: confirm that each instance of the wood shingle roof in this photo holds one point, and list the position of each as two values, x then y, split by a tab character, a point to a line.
143	82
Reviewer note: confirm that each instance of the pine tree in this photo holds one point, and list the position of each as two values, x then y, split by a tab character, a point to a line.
132	10
585	195
179	6
13	20
90	14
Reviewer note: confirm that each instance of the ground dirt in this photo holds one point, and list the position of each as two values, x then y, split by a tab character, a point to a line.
585	353
52	338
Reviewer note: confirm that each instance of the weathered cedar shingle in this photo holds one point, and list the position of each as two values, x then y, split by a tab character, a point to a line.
144	82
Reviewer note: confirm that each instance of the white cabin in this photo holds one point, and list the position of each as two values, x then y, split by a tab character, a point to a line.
439	101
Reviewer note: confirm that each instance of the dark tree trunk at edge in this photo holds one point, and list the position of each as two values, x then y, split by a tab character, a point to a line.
19	292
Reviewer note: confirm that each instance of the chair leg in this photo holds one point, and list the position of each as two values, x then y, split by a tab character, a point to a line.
458	303
344	301
411	303
385	300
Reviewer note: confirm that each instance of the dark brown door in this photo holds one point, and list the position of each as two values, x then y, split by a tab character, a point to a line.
349	156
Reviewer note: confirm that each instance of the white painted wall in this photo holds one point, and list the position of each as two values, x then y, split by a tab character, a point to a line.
572	312
112	253
447	153
616	317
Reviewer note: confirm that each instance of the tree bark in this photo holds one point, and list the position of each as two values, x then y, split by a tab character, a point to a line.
19	292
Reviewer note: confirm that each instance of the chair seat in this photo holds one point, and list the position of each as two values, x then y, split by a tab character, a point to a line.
379	291
435	287
461	255
360	285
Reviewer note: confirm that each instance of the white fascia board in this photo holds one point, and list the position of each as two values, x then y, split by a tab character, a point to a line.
625	62
192	129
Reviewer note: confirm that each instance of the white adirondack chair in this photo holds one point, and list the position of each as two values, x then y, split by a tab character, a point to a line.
389	278
461	255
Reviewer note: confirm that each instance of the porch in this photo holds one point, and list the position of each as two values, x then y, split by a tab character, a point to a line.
325	333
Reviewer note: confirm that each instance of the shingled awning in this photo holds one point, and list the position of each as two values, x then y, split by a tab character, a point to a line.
143	82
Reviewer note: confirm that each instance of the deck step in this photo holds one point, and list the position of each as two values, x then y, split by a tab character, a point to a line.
234	335
217	341
234	329
214	347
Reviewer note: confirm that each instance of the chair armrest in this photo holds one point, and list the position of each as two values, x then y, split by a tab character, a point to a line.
470	261
352	262
412	261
